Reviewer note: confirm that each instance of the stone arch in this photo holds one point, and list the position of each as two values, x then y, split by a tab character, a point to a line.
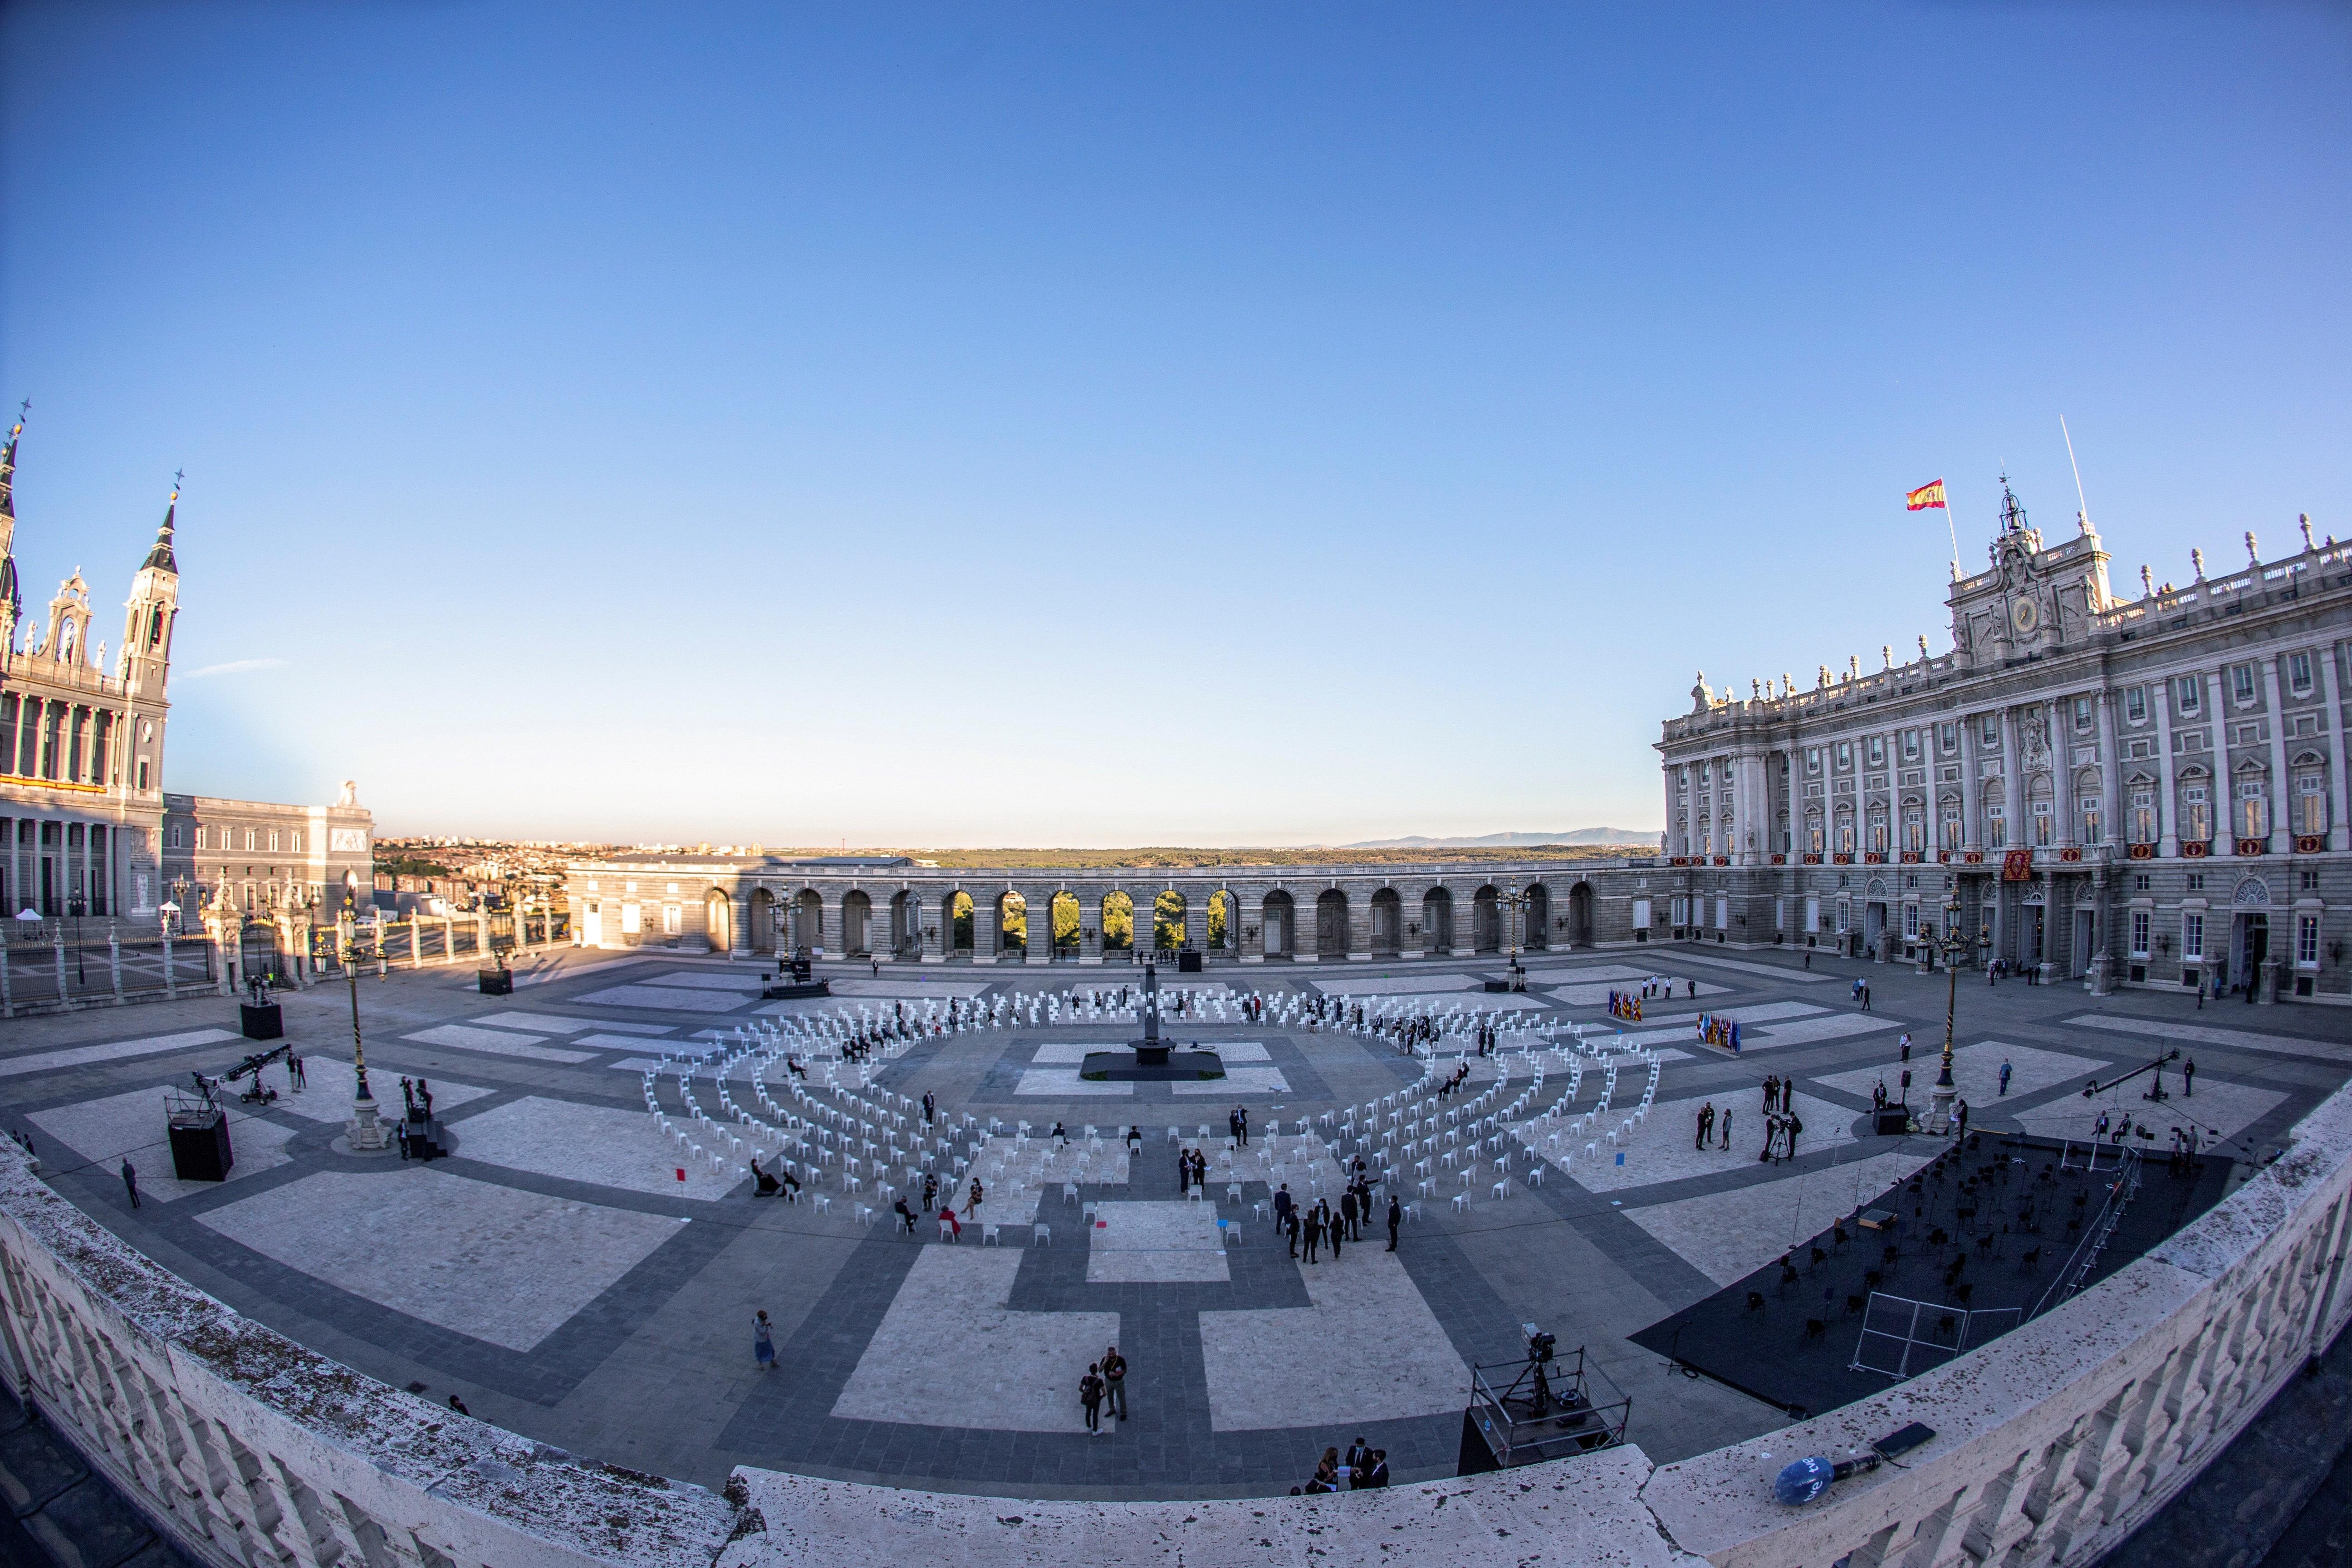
1579	915
717	921
1437	920
1224	921
1011	922
764	921
808	919
1537	935
856	924
1063	919
1332	924
907	923
1388	923
1487	920
956	921
1117	921
1278	925
1168	916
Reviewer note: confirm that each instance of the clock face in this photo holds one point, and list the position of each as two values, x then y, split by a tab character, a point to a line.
2025	615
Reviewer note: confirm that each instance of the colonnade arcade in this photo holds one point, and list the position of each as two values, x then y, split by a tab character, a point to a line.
1087	921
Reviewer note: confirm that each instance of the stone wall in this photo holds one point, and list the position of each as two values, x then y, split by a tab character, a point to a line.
2053	1443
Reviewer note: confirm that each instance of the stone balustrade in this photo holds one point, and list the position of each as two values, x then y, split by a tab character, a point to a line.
2053	1443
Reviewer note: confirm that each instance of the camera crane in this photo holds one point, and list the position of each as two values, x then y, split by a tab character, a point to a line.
2093	1090
259	1094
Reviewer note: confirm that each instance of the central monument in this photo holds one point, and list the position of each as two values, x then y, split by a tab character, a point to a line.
1150	1059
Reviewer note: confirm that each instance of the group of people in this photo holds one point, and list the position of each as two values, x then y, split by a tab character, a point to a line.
1453	1080
1364	1468
1105	1384
1316	1225
1625	1004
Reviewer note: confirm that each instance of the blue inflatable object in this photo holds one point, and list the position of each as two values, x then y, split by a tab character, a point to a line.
1803	1480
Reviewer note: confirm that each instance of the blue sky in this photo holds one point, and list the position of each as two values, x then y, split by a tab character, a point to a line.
1117	425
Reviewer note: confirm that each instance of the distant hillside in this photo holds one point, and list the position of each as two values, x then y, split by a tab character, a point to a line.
1515	840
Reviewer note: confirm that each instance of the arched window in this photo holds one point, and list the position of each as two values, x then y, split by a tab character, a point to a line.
2252	818
1845	830
1954	828
2196	815
1813	833
2310	795
1996	817
2140	811
1878	830
1914	826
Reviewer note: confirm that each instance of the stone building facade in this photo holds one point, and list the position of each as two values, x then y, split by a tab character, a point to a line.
84	818
2145	792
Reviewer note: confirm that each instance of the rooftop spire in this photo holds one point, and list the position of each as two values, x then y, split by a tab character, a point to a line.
160	557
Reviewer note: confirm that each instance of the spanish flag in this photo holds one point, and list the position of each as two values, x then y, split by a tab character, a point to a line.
1925	498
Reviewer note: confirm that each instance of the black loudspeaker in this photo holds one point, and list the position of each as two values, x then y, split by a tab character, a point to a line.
1188	964
262	1023
1894	1121
200	1151
496	982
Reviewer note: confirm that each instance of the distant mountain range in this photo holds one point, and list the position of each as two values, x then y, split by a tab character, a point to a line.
1508	840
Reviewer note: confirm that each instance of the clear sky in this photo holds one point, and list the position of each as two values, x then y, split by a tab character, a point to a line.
1125	423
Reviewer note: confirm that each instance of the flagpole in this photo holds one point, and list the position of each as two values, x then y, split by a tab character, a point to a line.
1951	528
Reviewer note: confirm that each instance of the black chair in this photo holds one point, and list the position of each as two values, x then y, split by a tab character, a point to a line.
2030	1261
1755	1301
1815	1329
1853	1306
1945	1326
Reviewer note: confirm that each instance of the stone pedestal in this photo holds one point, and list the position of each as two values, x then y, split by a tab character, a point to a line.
1940	1101
2271	981
2101	981
367	1130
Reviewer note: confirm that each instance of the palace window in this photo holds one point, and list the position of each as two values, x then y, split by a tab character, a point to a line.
1844	917
1910	746
672	920
2196	814
298	844
2186	694
1845	833
2242	683
2044	817
2085	715
2306	942
2298	673
1947	737
175	836
1914	828
1813	833
2196	881
2136	704
1878	830
2142	817
1953	828
1812	759
273	841
1877	752
2254	808
2141	921
2311	802
2192	937
1844	755
1911	922
251	839
632	918
1989	733
1995	824
2088	809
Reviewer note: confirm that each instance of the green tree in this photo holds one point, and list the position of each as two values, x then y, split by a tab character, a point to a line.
1117	923
1168	919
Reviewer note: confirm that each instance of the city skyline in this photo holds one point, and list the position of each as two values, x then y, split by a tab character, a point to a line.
1055	429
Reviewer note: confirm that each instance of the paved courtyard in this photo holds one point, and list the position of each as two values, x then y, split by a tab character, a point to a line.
574	1274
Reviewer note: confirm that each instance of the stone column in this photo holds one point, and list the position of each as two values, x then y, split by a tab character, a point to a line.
115	959
2282	787
2339	832
983	925
934	930
830	934
1359	924
1971	834
290	940
2062	773
2111	785
1251	948
739	944
2168	804
220	930
1196	918
2225	787
2012	790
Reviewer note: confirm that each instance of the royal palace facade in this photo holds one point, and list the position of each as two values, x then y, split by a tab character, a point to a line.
2140	793
86	829
2144	792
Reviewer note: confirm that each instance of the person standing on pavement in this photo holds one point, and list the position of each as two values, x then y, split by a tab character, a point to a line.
2004	1079
764	1342
1396	1216
1090	1395
1114	1371
1314	1233
130	1182
2188	1078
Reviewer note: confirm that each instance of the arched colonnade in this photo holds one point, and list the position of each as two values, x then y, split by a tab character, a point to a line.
1089	921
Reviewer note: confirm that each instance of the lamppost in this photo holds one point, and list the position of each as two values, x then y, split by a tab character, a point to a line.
1517	902
1955	947
368	1135
74	907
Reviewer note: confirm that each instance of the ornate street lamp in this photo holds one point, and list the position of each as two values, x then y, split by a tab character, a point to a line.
1955	947
1517	902
368	1135
74	907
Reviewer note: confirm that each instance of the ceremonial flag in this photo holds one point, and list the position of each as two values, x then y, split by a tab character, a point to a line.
1925	497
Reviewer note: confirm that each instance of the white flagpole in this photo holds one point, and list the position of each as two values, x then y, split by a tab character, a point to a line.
1951	528
2071	463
